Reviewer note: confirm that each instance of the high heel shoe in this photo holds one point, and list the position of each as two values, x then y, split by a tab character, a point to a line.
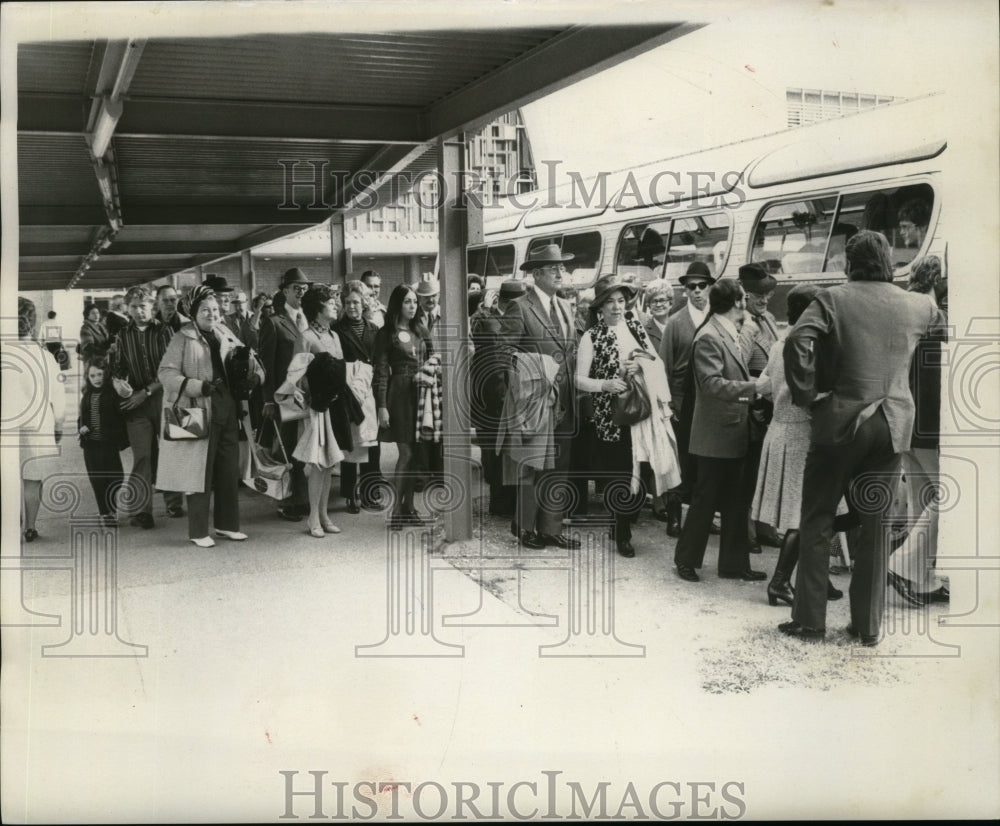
30	535
318	533
329	527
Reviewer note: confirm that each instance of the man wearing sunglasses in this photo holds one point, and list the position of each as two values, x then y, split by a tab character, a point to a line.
675	351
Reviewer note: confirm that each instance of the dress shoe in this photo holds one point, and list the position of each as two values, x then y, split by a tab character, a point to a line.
747	576
833	593
530	539
905	589
329	527
780	592
867	640
560	541
175	512
688	573
660	516
673	526
754	547
289	514
769	538
942	594
318	533
143	520
802	632
352	506
204	542
30	535
236	536
625	549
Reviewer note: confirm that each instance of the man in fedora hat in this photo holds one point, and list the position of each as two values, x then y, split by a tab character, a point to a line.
757	336
675	351
278	336
542	323
223	292
429	310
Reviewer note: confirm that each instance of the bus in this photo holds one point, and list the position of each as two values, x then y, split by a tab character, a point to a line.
789	200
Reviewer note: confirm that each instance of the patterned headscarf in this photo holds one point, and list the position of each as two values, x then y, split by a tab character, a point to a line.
199	294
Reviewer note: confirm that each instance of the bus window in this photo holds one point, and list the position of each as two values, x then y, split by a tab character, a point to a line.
642	250
500	262
701	238
585	247
792	237
902	214
475	260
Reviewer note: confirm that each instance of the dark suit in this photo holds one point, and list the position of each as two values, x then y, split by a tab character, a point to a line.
532	331
675	352
278	337
854	342
720	435
240	327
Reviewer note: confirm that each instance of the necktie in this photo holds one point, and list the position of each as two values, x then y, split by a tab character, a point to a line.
554	313
300	322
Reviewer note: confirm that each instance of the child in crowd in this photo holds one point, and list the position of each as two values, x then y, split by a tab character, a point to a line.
102	437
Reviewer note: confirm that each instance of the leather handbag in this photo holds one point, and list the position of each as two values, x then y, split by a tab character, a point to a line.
181	424
632	406
291	410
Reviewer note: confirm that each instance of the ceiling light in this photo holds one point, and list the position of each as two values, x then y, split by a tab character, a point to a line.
104	182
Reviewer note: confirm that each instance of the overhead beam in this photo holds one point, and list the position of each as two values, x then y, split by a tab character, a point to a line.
180	117
137	249
566	58
170	215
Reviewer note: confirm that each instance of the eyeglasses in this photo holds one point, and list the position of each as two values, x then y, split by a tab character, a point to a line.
699	285
659	301
300	288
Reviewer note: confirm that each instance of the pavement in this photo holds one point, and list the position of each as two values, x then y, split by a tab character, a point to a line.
197	676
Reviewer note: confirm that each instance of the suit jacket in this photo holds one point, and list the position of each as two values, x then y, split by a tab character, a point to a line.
653	331
278	335
720	427
855	341
240	327
531	331
675	353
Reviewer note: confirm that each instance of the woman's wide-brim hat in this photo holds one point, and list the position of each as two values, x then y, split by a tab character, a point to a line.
608	284
544	256
697	269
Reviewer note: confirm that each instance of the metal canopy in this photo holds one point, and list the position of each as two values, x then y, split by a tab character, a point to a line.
138	159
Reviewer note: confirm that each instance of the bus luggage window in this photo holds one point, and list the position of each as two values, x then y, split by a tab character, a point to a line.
641	250
586	250
702	238
795	234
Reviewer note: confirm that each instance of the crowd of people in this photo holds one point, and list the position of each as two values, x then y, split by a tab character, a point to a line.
704	407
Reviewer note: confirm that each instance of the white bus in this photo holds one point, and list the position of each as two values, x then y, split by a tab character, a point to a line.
789	200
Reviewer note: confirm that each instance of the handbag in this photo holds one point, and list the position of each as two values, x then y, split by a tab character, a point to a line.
632	406
291	411
181	424
268	473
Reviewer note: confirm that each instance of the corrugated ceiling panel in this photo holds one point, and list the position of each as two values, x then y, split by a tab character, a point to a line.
55	169
56	66
401	69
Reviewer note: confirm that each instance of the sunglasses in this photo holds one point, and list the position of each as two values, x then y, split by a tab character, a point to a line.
700	285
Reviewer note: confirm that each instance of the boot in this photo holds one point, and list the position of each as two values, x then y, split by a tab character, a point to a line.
780	586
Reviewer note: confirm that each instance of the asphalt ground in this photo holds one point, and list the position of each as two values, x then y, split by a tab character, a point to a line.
178	682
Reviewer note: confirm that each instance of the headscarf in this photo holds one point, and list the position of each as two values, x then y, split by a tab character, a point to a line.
199	294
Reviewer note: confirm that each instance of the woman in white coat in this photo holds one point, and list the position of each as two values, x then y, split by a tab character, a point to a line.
194	368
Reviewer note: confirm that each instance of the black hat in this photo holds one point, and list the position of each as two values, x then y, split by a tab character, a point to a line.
549	254
513	289
697	269
756	279
216	283
606	285
293	276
